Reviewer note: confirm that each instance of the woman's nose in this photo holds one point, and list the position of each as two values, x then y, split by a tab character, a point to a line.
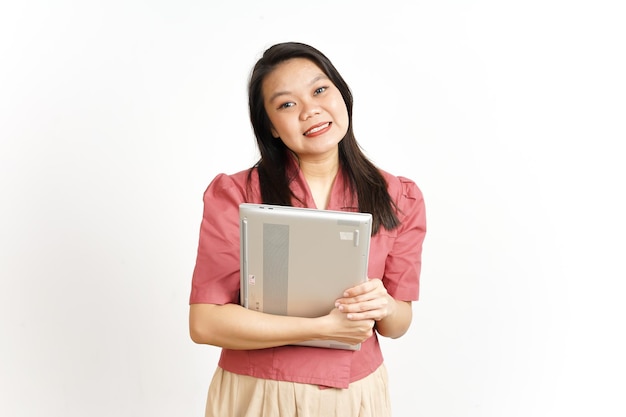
309	109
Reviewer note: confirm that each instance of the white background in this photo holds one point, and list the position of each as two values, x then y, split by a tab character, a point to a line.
510	116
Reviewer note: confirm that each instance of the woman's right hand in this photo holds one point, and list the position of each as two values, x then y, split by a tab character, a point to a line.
341	329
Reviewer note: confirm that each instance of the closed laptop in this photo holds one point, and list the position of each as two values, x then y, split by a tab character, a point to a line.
299	261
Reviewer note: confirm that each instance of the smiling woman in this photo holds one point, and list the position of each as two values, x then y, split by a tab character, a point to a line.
302	104
301	112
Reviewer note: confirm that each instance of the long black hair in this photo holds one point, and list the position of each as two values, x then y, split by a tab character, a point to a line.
363	176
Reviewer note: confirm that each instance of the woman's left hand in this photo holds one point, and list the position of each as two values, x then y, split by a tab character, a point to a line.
369	300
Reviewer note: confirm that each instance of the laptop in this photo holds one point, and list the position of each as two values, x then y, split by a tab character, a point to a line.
299	261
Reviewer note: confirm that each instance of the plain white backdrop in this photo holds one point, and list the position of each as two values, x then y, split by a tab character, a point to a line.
510	116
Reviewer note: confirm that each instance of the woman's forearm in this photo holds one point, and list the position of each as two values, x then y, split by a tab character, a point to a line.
234	327
397	323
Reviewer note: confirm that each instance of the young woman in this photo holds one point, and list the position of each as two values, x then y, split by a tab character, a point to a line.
301	112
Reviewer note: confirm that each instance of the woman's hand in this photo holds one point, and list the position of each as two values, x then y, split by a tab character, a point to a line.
346	330
371	301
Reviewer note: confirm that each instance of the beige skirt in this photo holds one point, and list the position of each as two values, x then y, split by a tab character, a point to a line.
232	395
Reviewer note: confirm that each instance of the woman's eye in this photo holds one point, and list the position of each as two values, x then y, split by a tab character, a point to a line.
319	90
286	105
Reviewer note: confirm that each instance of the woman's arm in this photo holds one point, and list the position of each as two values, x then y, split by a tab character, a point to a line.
397	323
234	327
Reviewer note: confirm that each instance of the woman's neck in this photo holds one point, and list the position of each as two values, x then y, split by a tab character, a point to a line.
320	176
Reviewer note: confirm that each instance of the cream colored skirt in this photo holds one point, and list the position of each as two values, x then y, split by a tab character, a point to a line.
232	395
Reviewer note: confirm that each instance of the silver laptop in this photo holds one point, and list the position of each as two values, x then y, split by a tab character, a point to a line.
298	261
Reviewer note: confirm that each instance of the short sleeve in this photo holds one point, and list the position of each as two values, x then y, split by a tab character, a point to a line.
404	261
216	273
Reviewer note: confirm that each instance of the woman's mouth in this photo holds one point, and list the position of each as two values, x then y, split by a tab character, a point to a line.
318	129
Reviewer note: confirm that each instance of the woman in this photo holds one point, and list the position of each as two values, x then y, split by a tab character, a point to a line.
301	111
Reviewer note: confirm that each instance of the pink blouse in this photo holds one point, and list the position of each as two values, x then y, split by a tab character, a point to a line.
395	257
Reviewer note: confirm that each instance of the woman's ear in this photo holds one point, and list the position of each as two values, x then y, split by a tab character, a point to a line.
274	133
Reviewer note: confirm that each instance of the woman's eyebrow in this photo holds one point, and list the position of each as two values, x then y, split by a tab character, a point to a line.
312	82
316	79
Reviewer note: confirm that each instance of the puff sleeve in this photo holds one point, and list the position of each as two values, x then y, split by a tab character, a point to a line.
216	273
404	260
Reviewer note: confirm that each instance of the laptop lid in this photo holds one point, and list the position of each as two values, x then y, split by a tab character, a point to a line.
298	261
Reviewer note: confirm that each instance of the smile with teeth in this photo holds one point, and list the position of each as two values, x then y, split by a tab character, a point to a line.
316	129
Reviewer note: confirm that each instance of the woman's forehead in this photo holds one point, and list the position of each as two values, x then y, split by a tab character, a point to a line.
292	74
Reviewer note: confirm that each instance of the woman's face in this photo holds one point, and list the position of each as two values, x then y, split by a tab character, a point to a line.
305	108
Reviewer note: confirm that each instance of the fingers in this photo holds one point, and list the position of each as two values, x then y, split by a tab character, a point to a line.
369	290
371	310
366	301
